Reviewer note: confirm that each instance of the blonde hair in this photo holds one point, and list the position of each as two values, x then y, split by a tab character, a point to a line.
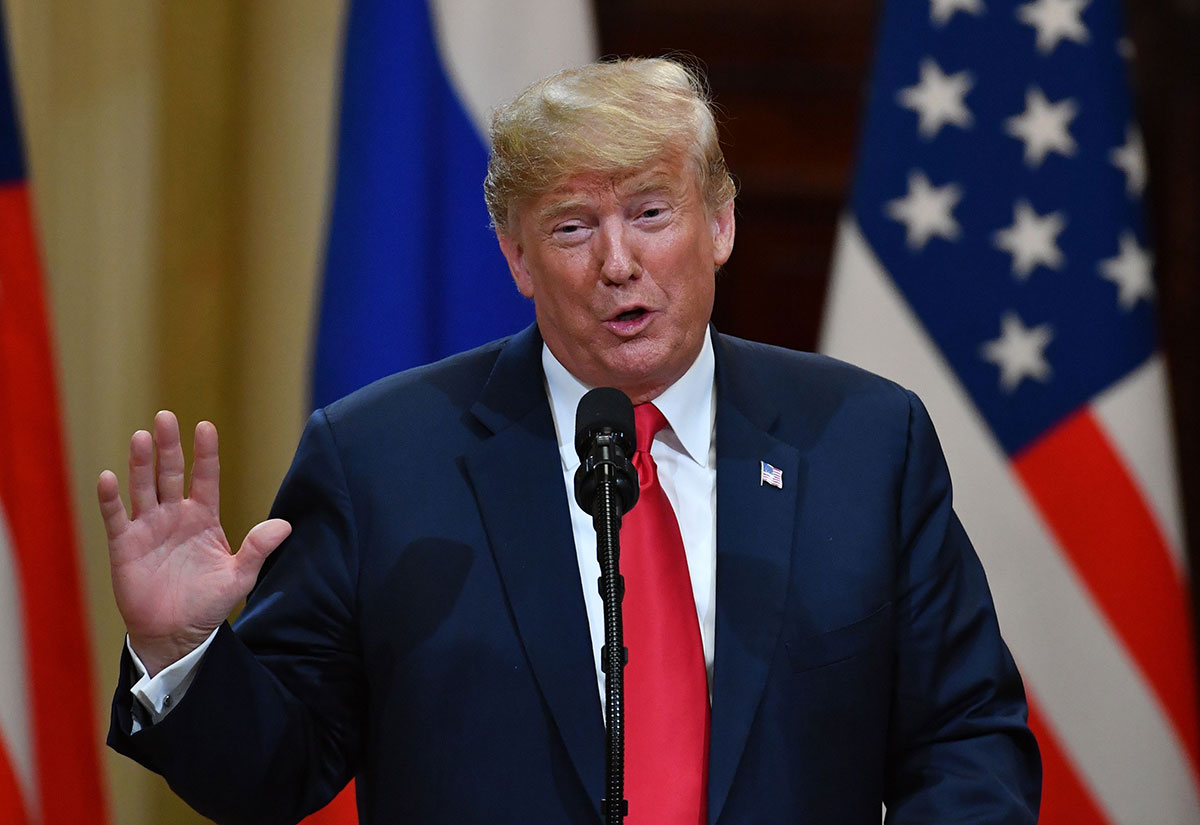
609	118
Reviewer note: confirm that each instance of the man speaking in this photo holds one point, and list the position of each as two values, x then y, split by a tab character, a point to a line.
810	632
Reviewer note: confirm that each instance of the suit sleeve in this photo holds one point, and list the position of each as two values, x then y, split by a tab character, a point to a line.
269	730
960	750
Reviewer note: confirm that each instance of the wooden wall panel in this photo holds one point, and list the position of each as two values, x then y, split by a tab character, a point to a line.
1166	83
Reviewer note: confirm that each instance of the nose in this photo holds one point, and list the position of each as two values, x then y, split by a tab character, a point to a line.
618	257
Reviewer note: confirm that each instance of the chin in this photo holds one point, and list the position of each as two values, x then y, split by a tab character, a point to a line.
640	376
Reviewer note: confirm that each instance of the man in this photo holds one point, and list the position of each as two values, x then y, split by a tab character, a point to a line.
431	624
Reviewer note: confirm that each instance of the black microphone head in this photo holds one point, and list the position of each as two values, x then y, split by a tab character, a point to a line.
604	408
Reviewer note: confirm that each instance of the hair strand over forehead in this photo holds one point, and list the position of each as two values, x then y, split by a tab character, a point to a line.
612	117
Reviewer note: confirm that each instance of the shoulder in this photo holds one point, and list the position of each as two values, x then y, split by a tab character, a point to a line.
430	391
791	379
833	410
424	411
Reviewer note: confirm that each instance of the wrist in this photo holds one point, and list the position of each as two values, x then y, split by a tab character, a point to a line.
158	652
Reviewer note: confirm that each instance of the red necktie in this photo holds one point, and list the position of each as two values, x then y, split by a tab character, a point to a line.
666	687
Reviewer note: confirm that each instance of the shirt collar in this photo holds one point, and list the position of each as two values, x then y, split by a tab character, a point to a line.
690	433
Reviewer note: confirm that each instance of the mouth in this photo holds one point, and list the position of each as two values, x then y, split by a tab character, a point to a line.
629	322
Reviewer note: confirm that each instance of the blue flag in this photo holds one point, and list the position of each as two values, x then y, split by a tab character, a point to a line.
412	270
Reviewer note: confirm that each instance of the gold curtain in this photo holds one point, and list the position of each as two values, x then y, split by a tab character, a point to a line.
179	155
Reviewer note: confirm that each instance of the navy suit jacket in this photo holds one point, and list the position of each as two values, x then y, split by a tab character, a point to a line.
424	629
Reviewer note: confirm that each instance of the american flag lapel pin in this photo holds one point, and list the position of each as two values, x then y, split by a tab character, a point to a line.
770	475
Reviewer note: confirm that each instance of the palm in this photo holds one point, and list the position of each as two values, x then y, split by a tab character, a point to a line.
174	576
170	567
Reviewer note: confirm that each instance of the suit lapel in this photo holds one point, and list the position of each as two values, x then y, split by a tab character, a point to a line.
519	465
517	477
755	526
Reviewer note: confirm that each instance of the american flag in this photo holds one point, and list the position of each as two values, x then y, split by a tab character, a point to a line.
995	260
770	475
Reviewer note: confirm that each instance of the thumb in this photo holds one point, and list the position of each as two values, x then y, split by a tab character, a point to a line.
263	538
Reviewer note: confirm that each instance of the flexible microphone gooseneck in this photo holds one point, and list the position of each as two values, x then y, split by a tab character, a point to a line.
606	487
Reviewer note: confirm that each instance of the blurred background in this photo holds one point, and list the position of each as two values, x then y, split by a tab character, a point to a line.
180	160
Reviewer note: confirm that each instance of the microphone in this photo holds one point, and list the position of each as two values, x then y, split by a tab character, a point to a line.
605	438
606	487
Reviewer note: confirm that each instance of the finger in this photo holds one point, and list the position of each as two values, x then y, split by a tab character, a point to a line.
170	457
112	509
262	539
142	493
206	468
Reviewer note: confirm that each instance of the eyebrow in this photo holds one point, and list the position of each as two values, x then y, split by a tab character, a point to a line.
560	208
653	185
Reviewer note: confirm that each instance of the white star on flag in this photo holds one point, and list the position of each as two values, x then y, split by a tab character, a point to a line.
1019	352
926	211
1132	272
1055	20
940	11
1043	127
1032	240
1131	159
938	99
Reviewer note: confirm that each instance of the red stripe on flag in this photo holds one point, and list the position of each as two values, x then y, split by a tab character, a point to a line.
12	808
1104	526
1066	800
34	494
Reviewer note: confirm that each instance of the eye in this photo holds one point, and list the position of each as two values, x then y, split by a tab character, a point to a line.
569	232
654	214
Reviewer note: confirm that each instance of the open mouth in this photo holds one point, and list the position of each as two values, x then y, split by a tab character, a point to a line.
631	314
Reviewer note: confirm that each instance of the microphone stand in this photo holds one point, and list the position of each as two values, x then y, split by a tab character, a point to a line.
606	486
613	655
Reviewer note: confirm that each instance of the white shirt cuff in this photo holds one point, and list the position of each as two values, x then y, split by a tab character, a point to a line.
161	692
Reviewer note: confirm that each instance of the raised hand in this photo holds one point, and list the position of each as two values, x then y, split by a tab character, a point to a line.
174	576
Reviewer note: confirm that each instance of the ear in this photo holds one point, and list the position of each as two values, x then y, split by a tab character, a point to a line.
723	230
514	253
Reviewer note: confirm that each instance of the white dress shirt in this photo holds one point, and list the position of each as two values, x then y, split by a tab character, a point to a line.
687	469
686	457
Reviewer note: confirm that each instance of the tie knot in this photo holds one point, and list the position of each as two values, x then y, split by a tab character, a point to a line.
647	420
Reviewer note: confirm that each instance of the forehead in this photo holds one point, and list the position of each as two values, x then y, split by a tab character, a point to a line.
670	176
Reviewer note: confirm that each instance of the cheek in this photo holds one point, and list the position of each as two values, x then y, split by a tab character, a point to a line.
699	291
698	307
566	300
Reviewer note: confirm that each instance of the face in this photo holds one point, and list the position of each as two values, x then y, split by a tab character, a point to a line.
622	273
